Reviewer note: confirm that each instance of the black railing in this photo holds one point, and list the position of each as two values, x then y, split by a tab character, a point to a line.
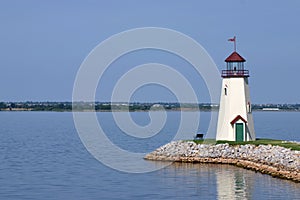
235	73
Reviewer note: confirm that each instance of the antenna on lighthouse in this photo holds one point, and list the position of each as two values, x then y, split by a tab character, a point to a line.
234	41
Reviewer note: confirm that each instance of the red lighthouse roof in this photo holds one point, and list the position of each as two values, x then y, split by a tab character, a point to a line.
235	57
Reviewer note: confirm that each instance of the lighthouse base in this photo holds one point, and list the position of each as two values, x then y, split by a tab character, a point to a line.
235	121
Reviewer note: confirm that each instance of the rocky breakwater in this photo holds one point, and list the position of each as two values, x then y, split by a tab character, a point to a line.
273	160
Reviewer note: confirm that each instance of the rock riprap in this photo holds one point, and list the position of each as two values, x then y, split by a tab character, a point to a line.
274	160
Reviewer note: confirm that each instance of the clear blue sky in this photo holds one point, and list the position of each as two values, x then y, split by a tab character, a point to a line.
43	43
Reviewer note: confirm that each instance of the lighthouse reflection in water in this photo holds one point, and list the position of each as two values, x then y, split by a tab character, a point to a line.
233	185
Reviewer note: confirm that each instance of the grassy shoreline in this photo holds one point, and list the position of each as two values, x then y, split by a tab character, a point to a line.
260	141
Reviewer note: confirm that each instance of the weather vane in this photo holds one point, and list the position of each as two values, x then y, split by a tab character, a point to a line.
234	41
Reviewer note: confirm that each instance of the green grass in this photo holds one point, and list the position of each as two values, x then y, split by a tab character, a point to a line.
289	145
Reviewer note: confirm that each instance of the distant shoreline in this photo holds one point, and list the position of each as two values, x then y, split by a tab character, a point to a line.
123	110
133	106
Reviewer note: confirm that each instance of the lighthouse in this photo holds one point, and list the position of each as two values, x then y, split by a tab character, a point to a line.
235	121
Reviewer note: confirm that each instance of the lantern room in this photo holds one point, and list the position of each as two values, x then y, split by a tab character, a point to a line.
235	66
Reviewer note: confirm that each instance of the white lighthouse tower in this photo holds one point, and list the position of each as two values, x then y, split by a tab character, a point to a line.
235	122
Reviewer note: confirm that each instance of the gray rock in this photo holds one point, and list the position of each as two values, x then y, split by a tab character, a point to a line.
265	154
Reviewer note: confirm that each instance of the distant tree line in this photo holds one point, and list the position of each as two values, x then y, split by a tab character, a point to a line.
132	106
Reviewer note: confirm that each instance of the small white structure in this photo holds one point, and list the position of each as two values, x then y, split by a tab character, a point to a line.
235	122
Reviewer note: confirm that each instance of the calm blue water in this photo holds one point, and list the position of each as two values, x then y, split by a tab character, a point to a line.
42	157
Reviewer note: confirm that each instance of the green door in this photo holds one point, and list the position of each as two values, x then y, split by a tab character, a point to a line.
239	132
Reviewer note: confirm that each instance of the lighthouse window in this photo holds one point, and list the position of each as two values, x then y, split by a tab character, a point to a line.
249	107
225	91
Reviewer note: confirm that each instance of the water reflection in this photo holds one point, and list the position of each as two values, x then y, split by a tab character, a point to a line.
212	180
42	157
233	184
